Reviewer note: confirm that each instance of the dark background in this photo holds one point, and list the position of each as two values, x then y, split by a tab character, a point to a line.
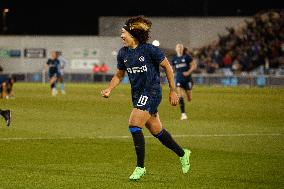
61	17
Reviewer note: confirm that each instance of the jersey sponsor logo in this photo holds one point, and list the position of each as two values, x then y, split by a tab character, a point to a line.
181	65
137	69
141	58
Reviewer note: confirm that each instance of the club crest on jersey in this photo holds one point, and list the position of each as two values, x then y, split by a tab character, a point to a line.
141	58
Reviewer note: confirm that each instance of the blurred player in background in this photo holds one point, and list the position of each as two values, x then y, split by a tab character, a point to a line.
60	78
52	66
141	61
6	114
183	65
6	87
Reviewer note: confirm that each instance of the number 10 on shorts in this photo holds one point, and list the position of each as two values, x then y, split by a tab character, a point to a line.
142	100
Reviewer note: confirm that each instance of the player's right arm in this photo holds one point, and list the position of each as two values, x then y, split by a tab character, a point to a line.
118	76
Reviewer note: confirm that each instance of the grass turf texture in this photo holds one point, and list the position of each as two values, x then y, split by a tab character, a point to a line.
77	140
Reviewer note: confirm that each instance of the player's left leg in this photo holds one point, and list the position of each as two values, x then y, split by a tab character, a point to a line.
62	86
61	81
188	93
154	125
181	95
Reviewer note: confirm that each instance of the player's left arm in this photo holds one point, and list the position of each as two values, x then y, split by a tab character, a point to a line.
63	63
191	69
170	76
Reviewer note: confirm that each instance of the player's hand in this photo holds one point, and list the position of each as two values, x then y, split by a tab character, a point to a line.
105	93
185	74
174	99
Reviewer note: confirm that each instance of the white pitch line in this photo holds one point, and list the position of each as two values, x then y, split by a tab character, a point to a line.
201	135
147	136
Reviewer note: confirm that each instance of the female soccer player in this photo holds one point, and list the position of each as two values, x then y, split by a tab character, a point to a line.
141	61
51	66
183	65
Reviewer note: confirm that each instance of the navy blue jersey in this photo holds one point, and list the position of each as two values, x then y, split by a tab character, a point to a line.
53	65
142	66
181	64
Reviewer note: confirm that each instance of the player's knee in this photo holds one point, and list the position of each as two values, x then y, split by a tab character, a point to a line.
134	129
158	133
136	121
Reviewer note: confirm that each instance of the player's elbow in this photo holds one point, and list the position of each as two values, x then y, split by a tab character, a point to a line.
166	66
120	75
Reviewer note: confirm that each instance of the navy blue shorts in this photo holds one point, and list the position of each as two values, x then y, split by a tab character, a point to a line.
148	101
52	74
186	85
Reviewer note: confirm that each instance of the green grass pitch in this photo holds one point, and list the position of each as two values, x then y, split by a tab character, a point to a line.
81	140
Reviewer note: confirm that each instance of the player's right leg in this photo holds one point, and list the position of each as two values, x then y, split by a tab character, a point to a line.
155	127
137	120
52	82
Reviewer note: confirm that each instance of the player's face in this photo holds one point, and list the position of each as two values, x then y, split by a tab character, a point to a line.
53	55
126	37
179	49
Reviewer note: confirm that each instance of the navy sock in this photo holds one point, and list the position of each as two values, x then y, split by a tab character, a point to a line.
139	143
181	104
166	139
